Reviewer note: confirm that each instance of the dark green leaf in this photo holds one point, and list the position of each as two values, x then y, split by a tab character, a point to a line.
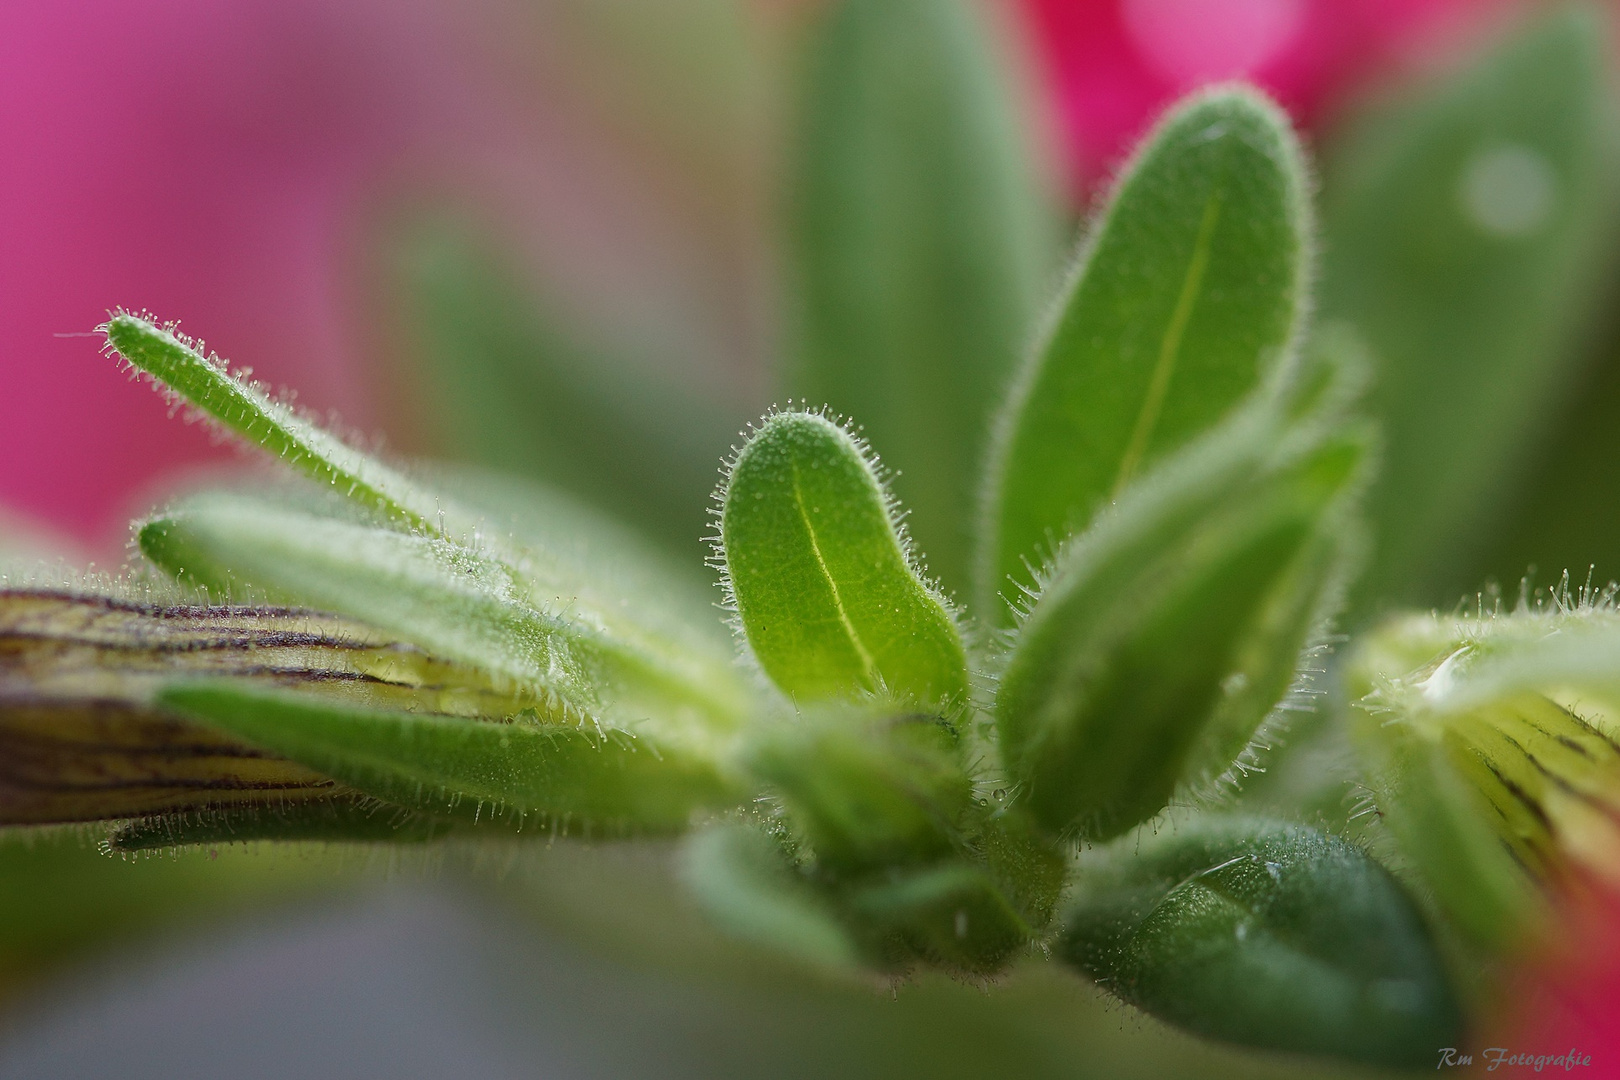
1189	288
1268	935
347	820
954	914
922	242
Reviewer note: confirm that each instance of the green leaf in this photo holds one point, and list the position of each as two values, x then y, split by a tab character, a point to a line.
349	820
566	655
1189	288
953	914
1464	227
1168	631
514	385
741	879
921	244
869	790
1267	935
824	588
245	410
470	768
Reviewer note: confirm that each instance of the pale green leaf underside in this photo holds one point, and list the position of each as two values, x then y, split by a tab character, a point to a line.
470	768
456	602
1190	288
922	239
824	590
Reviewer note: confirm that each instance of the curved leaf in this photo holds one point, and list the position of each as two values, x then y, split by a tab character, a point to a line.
567	654
824	589
742	881
245	410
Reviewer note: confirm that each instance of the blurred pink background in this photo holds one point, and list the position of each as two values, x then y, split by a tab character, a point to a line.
1114	63
224	163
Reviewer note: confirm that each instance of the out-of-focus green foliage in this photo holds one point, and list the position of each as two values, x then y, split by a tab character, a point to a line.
61	897
516	387
1173	493
920	241
1464	227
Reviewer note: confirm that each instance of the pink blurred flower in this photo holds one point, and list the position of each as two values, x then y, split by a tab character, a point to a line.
1114	64
226	162
194	158
1568	995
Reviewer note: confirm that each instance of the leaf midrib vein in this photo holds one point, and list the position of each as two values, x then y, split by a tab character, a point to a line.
868	665
1169	347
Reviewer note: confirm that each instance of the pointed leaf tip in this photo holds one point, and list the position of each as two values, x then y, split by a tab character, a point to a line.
247	412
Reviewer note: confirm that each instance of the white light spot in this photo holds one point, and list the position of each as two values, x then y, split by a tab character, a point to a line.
1191	42
1507	190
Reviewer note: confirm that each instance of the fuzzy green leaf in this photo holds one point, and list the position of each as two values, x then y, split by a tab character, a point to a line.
1267	935
1168	631
471	768
824	589
1190	287
922	241
569	655
741	879
245	410
1464	226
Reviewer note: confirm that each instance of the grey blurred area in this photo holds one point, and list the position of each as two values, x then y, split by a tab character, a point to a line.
523	964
